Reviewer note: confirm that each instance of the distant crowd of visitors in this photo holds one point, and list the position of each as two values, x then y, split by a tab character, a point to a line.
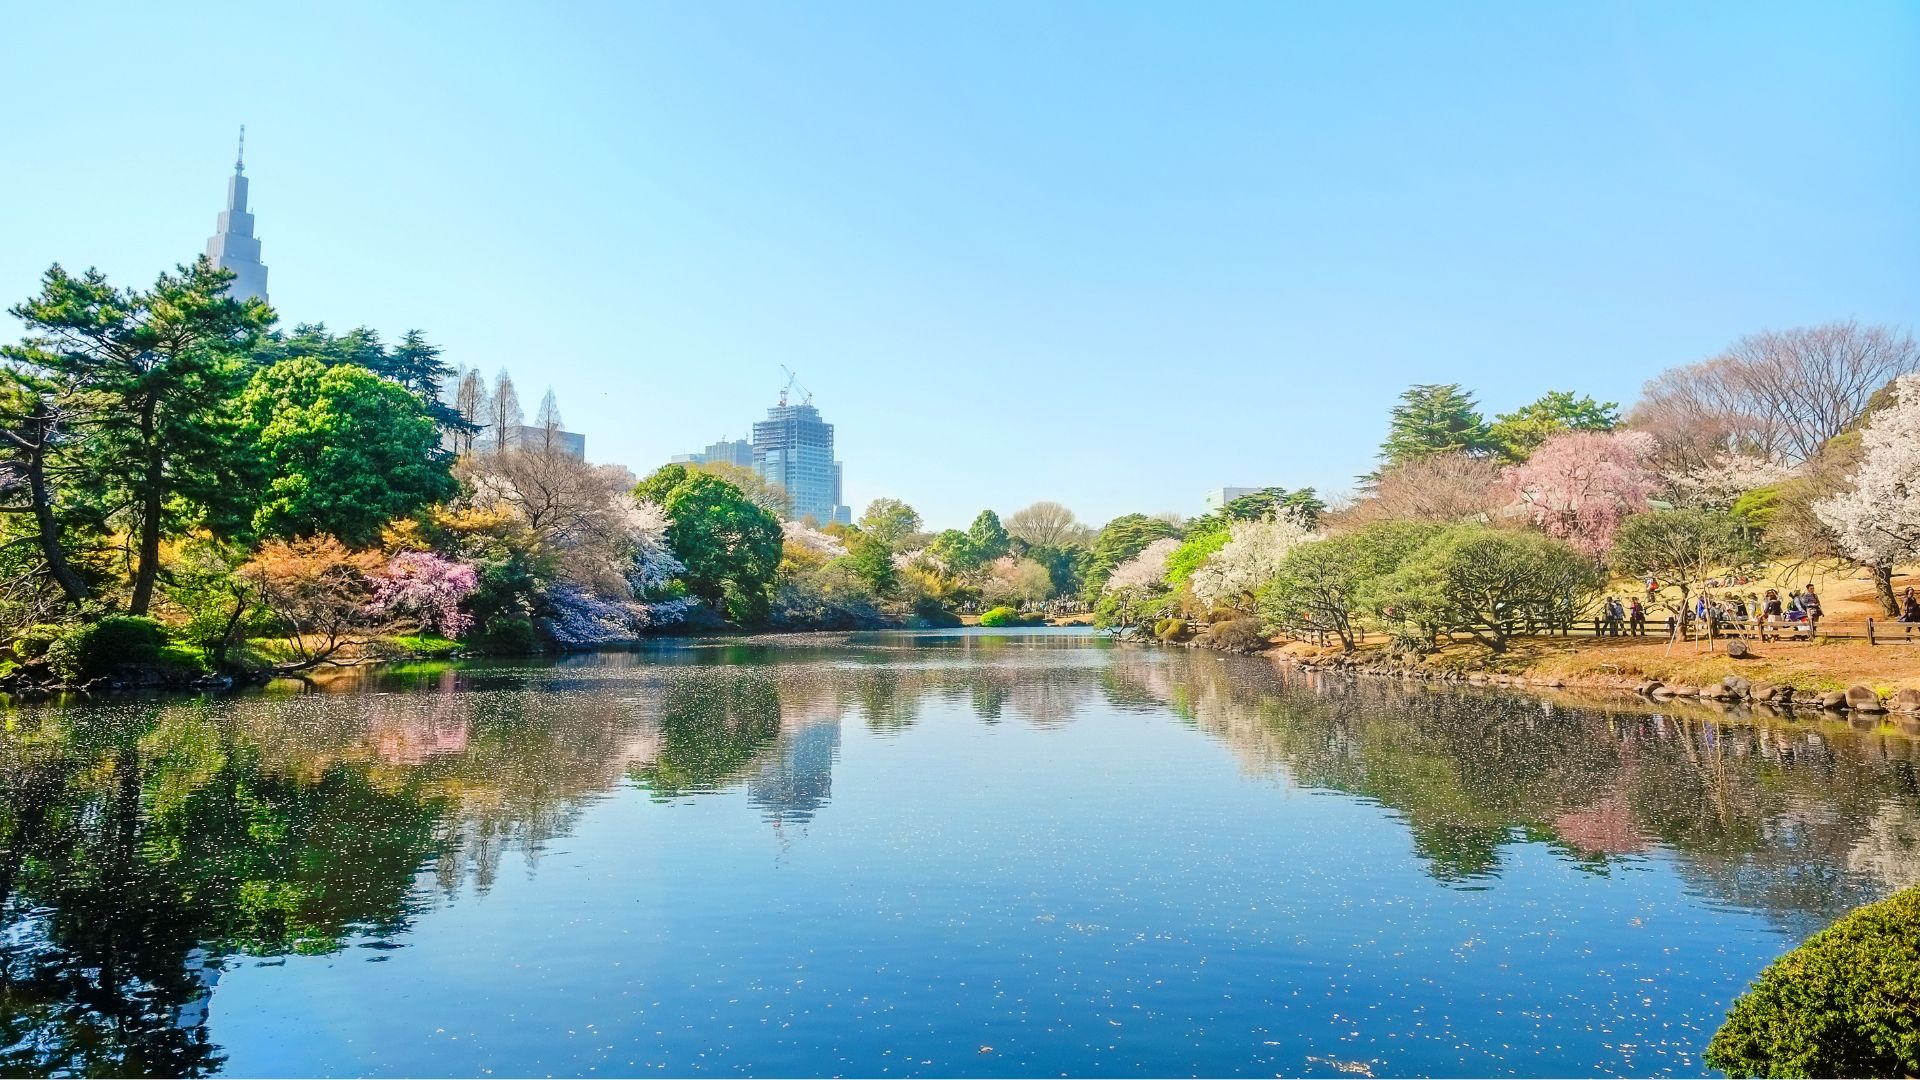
1766	613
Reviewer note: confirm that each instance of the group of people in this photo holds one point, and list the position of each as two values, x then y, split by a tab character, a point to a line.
1731	610
1735	611
1617	619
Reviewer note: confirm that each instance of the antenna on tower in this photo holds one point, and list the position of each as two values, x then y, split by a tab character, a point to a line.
240	158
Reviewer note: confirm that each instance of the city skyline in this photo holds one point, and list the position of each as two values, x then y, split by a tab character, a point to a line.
1134	223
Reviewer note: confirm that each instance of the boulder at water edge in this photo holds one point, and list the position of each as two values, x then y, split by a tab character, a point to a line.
1863	699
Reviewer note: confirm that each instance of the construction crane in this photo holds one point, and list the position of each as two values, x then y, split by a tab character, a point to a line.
793	382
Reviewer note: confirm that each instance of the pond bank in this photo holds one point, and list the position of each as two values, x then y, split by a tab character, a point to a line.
1835	676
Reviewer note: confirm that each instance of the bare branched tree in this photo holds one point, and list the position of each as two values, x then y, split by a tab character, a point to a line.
503	414
470	401
1048	524
1779	394
1443	488
547	419
578	512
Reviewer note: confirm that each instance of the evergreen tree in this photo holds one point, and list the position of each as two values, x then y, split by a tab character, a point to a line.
1435	419
340	451
416	365
153	372
1518	433
730	547
988	537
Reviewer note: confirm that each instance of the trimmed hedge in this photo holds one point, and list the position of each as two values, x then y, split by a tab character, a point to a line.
101	648
1845	1003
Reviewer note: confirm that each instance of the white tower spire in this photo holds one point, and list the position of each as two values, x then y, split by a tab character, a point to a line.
233	245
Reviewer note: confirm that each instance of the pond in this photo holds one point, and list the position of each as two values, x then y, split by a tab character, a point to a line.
1028	853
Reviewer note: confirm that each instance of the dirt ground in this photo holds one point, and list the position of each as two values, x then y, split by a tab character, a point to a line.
1826	664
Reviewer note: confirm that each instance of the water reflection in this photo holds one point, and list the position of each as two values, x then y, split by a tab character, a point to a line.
144	847
1798	820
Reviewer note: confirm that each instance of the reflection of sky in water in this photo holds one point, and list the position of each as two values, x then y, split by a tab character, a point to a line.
922	854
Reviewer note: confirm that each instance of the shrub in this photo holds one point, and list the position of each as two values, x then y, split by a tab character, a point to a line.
34	641
1170	629
506	635
935	614
95	649
1001	616
1845	1003
1237	635
831	597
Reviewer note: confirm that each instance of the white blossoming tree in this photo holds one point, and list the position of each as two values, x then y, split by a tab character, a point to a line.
1250	559
1145	572
1135	585
1719	482
1877	522
798	534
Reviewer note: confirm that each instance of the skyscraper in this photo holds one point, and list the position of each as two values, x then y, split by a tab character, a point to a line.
793	448
233	245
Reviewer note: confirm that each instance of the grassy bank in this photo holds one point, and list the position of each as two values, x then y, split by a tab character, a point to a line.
1625	663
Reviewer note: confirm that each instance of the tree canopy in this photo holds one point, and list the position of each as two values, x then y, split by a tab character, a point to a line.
1435	418
730	546
338	450
1518	433
154	371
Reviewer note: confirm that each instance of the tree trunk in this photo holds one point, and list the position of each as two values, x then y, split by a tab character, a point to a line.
49	528
1883	585
147	565
33	463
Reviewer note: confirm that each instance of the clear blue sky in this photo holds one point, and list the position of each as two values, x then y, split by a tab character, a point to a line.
1112	254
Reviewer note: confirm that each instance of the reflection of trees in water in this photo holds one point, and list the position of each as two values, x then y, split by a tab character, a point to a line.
139	848
713	723
1796	822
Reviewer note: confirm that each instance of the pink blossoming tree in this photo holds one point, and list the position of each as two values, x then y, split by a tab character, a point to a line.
426	588
1579	486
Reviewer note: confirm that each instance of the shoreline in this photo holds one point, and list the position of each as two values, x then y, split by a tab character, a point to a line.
1799	683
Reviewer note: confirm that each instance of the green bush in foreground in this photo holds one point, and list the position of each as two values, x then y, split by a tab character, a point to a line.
95	649
1845	1003
1001	616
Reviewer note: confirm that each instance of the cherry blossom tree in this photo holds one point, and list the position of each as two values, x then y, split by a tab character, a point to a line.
1580	485
1015	581
426	588
798	534
1136	587
1878	521
1718	482
1250	559
643	529
1145	572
